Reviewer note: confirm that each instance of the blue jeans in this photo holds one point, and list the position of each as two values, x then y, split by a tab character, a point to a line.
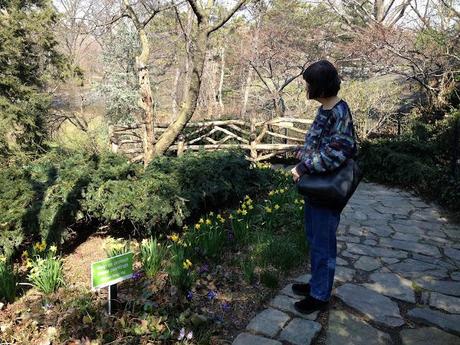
320	227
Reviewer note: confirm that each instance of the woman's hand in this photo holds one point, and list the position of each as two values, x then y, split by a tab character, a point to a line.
295	174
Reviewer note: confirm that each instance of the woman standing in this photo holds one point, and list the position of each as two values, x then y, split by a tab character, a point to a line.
328	143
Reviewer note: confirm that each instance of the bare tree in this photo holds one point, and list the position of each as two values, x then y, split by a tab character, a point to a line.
199	39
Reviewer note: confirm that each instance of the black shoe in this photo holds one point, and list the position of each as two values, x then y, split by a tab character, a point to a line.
309	305
301	289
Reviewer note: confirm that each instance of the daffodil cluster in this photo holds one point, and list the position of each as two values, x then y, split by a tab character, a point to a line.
114	247
187	264
39	247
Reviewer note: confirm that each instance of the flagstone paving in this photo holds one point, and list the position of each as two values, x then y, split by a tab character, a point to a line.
397	280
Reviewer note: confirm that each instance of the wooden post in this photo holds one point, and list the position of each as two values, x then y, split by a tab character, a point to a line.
252	140
180	145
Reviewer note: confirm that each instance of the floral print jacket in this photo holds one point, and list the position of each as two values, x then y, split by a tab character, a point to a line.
326	151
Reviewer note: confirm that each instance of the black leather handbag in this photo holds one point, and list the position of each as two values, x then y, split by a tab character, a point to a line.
333	188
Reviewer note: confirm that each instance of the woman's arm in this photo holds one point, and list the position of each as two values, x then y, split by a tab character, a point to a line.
338	147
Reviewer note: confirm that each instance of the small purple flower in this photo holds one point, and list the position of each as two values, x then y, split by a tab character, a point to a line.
189	296
190	335
181	334
203	269
212	295
137	275
226	306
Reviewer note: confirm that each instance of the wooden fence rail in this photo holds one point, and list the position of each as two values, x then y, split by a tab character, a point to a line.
261	139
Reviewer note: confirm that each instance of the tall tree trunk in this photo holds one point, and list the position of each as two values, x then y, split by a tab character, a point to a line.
189	104
174	93
246	93
198	54
221	83
146	97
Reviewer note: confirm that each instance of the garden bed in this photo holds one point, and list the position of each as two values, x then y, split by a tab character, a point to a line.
211	277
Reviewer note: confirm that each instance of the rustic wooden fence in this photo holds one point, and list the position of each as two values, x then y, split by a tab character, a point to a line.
261	139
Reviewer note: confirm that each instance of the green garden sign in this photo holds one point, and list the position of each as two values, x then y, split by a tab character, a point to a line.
111	271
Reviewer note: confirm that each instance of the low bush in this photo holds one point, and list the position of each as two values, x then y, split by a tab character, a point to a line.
46	198
420	160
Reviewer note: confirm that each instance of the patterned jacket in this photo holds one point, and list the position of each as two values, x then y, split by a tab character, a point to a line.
337	142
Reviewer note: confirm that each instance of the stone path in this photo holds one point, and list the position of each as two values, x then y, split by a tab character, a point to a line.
397	280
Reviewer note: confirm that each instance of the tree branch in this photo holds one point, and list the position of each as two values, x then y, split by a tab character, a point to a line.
226	18
198	13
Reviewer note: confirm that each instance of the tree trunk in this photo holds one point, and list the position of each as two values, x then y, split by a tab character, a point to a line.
174	93
188	106
221	83
246	94
146	97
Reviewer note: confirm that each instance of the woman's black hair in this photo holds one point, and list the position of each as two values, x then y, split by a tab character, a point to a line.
322	78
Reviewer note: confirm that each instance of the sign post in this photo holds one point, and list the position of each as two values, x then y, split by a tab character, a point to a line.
109	272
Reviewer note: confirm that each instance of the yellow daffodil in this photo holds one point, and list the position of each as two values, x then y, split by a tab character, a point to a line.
296	201
2	259
302	201
268	209
271	193
277	207
211	214
220	219
230	216
187	264
238	211
185	227
208	222
201	221
197	226
243	206
251	207
25	254
175	237
244	212
145	242
53	249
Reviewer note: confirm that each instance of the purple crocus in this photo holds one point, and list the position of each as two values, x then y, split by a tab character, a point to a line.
203	269
189	296
137	275
212	295
225	306
181	334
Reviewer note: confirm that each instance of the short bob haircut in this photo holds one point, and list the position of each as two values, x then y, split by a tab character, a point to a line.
322	78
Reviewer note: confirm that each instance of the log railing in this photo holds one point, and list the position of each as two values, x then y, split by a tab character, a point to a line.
261	139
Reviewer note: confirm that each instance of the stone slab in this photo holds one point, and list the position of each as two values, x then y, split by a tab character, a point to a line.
448	303
250	339
452	253
427	336
286	303
441	286
374	251
304	278
448	322
300	332
345	328
344	274
377	307
269	322
367	263
392	285
411	246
